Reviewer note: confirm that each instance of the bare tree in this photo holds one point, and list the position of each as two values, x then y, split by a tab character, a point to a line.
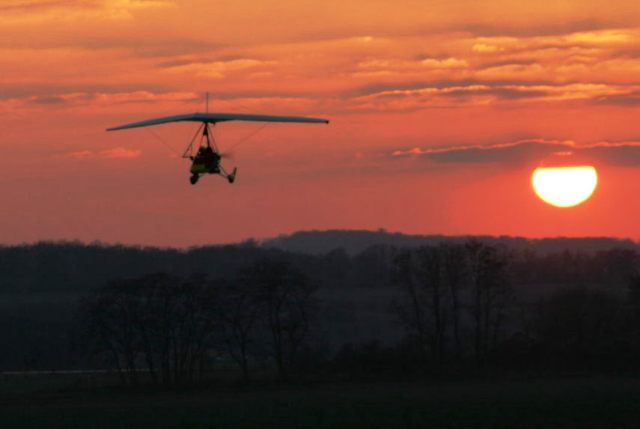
111	317
421	272
412	315
158	323
456	271
490	291
286	303
240	314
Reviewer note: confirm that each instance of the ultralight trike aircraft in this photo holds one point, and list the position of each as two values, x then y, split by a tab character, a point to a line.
207	158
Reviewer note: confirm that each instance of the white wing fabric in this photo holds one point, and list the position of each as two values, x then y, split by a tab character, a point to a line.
219	117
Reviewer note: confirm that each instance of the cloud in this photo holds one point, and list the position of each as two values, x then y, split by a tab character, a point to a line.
37	11
530	151
630	99
599	56
37	5
415	96
48	100
450	95
95	98
218	69
403	68
115	153
506	29
109	98
353	68
162	45
120	152
80	154
486	48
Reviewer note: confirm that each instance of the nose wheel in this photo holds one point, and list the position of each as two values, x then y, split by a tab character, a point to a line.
194	179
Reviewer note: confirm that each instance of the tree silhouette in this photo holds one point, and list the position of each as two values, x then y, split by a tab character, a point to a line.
157	323
422	274
286	303
240	313
490	291
456	266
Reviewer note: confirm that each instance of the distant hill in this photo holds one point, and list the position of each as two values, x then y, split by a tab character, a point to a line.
356	241
340	258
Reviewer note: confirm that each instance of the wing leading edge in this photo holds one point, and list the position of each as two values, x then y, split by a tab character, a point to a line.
219	117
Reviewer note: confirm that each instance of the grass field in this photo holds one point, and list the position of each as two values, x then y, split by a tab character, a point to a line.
571	403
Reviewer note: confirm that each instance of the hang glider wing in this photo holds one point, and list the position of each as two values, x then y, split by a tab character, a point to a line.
219	117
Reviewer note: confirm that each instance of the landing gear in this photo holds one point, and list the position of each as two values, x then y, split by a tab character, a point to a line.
207	159
232	177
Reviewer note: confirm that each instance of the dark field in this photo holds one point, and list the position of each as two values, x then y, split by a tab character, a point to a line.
77	402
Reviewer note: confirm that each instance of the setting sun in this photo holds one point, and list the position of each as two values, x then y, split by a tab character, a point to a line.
564	186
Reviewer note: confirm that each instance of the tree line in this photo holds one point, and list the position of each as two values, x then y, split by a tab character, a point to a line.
76	268
457	298
453	306
173	328
458	305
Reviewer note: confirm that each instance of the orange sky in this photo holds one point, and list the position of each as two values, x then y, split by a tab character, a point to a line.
439	112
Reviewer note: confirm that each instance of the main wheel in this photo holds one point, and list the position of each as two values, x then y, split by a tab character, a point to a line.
232	177
194	179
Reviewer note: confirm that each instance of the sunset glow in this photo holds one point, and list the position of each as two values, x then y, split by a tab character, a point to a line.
564	186
428	102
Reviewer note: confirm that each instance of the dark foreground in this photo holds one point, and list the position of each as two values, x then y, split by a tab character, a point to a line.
45	401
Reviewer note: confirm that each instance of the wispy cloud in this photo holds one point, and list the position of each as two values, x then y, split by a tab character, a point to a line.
218	69
480	93
530	151
93	98
36	5
115	153
628	99
598	65
35	11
